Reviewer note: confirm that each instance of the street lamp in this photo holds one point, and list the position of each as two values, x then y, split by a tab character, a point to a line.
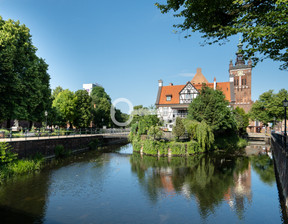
285	105
46	114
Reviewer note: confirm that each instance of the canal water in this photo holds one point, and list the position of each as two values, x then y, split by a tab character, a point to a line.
122	187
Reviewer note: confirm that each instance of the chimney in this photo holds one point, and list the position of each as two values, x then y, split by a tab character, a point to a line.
171	84
214	83
199	71
160	82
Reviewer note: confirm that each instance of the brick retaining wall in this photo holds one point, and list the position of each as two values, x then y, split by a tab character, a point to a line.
46	146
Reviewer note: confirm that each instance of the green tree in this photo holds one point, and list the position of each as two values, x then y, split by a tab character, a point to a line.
242	120
65	105
263	24
24	81
83	109
56	91
101	112
201	132
212	107
98	93
179	129
261	109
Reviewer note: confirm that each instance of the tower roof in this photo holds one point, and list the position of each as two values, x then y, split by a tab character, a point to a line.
199	78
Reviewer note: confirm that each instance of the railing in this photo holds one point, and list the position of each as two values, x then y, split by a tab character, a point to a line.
40	132
279	138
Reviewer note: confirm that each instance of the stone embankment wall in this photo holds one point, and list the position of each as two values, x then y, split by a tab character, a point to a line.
46	146
281	166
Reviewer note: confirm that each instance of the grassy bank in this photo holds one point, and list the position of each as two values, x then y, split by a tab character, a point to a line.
162	148
20	167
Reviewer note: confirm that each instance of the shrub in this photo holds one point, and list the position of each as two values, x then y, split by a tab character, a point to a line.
6	156
149	147
93	144
155	132
60	151
177	148
178	129
137	144
193	147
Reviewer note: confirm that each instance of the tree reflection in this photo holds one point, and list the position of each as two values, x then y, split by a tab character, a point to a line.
263	165
207	178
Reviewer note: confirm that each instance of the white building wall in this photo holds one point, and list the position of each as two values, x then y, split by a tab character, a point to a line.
166	114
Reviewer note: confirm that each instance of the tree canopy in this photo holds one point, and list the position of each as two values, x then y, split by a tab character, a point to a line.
212	107
269	107
262	23
24	81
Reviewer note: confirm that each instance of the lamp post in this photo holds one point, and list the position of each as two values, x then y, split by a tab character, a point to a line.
285	105
46	114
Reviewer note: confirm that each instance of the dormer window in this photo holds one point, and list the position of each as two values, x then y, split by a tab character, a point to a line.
168	98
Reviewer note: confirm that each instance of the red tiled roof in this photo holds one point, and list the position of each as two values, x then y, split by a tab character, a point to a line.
173	91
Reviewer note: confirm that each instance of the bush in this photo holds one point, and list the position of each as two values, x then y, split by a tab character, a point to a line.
193	147
93	144
230	142
149	147
6	156
155	132
178	129
177	148
137	144
60	151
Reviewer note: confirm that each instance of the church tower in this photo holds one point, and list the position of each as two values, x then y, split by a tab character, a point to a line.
240	75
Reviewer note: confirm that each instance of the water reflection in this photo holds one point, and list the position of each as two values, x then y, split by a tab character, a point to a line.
113	187
209	179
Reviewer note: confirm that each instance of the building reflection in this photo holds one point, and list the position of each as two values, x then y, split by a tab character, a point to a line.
209	180
238	195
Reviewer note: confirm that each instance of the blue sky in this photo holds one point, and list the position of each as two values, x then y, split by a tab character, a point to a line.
126	46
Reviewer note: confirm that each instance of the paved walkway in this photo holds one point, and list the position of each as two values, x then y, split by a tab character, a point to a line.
105	135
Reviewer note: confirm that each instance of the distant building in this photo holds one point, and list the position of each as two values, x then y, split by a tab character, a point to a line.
173	100
89	87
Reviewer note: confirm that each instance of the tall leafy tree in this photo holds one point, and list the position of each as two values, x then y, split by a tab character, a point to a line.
65	104
24	81
242	120
97	93
210	106
262	23
83	109
269	107
56	91
101	113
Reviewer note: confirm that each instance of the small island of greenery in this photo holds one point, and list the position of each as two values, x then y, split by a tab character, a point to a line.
211	124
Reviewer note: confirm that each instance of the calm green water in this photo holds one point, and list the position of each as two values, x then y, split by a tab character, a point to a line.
121	187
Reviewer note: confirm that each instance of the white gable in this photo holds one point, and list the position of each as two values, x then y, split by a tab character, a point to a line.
188	93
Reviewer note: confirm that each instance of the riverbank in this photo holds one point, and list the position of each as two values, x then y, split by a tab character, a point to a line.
12	166
173	148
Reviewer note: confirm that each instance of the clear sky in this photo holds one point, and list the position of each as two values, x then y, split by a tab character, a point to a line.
126	46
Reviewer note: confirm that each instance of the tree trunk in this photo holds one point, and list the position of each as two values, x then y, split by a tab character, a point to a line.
8	123
30	125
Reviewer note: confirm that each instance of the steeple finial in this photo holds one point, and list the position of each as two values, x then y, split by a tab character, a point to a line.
239	59
240	45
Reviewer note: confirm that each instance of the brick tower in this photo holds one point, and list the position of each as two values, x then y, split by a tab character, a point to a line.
240	74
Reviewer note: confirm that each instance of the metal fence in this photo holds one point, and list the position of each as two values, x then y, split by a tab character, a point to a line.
40	132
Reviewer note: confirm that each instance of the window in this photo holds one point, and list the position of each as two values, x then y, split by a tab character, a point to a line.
168	98
165	111
245	82
237	82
